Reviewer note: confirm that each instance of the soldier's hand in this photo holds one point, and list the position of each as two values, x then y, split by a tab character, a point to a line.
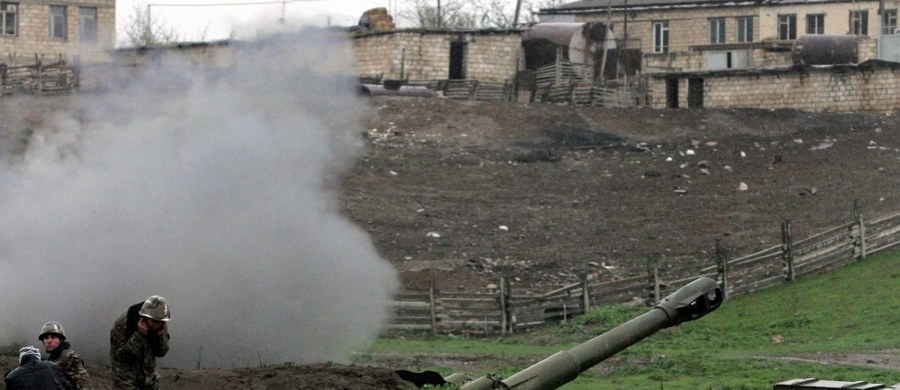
143	326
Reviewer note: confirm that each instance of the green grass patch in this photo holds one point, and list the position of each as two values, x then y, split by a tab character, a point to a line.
751	342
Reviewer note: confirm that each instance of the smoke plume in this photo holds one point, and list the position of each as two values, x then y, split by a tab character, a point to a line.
215	187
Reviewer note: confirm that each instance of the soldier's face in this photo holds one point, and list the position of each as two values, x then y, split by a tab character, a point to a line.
152	324
50	342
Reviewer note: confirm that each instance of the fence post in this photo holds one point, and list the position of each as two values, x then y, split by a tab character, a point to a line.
39	69
572	86
654	282
585	293
431	301
722	263
787	254
3	75
861	230
504	307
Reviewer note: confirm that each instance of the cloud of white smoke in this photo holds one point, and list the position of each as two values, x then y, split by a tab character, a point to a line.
215	188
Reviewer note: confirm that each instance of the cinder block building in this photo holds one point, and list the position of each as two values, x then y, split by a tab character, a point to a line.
48	30
690	35
431	54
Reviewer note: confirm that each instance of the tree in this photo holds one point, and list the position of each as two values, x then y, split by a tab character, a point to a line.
438	14
499	14
142	30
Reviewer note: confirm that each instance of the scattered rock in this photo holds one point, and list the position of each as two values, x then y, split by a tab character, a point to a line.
743	187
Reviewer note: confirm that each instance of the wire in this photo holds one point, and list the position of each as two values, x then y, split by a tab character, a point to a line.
226	4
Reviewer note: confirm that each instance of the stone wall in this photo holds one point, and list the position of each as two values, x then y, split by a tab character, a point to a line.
425	55
872	86
33	34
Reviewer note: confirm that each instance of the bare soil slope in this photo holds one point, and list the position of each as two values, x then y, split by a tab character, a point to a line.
545	193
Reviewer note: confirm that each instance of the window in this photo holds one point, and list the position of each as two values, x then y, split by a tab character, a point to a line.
660	37
889	22
8	19
745	29
815	24
787	27
58	21
717	30
87	24
859	22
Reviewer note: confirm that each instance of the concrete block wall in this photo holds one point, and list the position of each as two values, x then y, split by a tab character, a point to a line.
493	58
689	30
33	35
873	88
426	55
687	27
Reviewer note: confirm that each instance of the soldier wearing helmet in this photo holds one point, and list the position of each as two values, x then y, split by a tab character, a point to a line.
54	338
137	338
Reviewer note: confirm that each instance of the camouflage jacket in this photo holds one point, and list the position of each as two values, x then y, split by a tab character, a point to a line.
72	366
132	356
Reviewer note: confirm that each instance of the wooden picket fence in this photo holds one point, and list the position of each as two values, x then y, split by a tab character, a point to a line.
503	311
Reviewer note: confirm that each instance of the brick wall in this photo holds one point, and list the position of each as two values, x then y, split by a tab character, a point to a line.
33	35
869	87
425	55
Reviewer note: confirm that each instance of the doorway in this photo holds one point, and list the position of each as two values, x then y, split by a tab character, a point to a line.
695	93
457	60
672	93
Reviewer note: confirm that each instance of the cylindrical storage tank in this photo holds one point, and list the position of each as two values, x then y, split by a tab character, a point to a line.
816	49
578	42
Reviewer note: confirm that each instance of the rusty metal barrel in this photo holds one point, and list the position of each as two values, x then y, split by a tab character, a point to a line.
816	49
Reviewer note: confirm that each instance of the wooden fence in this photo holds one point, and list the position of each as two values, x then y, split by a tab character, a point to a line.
502	311
38	78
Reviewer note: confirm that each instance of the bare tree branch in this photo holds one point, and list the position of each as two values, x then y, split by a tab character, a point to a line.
475	13
142	31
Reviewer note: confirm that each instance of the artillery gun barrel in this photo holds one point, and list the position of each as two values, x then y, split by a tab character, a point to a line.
690	302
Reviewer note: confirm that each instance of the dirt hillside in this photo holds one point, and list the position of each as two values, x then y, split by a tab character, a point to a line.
545	193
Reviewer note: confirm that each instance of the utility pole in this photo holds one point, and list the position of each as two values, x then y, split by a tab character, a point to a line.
440	21
515	22
148	33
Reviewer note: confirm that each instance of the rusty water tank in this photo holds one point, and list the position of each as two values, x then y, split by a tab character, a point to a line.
817	49
578	42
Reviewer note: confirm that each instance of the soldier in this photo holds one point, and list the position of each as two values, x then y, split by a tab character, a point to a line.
33	373
54	338
137	338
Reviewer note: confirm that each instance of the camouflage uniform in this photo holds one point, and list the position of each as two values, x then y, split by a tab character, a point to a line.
132	356
72	366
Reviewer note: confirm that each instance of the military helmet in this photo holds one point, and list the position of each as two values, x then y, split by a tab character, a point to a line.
155	308
53	328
